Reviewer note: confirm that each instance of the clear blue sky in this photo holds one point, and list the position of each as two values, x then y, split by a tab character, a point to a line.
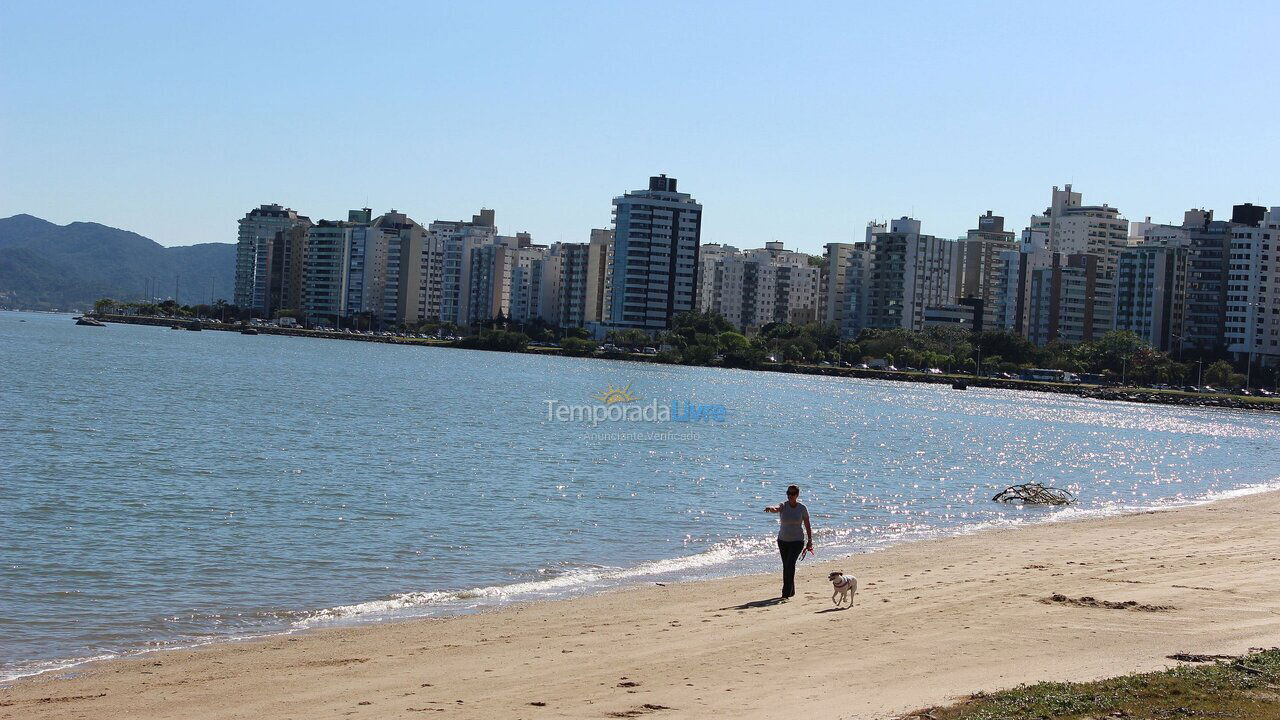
791	122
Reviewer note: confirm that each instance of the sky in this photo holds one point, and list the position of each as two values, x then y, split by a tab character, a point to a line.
788	121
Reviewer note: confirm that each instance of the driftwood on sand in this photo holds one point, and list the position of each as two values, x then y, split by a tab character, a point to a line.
1035	493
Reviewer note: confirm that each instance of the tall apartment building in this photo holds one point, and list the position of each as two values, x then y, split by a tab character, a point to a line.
797	284
846	266
754	288
526	283
457	240
269	253
737	286
360	301
379	249
984	255
566	271
655	266
599	276
1075	229
905	273
890	279
1151	293
1071	300
488	282
1253	288
1011	295
325	272
1204	303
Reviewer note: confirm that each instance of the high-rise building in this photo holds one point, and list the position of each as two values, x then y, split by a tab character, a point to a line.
906	273
565	273
457	241
1075	229
1071	300
488	282
359	303
599	277
889	280
754	288
380	247
797	283
984	254
1151	293
526	283
269	254
738	286
1253	288
325	272
1208	267
1012	293
655	267
846	267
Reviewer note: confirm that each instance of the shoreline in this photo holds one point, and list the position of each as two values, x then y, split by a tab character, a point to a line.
743	565
1095	392
901	613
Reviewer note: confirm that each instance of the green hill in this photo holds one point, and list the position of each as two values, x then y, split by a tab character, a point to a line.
45	266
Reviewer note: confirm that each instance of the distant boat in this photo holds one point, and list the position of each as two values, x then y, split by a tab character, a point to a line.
959	385
249	331
90	322
176	327
194	326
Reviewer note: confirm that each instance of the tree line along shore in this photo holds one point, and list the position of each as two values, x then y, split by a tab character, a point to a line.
1118	366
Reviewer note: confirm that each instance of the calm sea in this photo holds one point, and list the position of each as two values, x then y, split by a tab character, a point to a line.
163	488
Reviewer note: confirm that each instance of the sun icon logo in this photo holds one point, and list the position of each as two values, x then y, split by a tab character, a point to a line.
612	395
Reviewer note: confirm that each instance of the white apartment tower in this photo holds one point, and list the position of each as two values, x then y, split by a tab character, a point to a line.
754	288
1253	291
1075	229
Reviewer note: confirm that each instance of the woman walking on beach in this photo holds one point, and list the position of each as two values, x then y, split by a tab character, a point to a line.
793	518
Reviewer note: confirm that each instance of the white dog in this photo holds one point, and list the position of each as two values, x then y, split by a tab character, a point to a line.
846	586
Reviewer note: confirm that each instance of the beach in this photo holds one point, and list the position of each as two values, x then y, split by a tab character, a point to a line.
933	621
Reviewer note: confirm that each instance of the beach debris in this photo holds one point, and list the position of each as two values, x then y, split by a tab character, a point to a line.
1091	602
1035	493
1198	657
638	711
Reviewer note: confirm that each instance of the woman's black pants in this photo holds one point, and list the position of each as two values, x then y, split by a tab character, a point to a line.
790	550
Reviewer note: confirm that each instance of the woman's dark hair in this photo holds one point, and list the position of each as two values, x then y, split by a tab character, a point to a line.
793	489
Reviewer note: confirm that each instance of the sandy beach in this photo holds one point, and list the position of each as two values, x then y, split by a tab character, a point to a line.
933	621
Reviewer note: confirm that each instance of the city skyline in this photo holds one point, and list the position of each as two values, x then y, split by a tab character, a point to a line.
794	130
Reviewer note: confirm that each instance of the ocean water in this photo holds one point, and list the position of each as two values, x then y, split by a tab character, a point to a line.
164	489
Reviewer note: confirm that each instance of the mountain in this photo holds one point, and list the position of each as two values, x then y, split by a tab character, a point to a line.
46	266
